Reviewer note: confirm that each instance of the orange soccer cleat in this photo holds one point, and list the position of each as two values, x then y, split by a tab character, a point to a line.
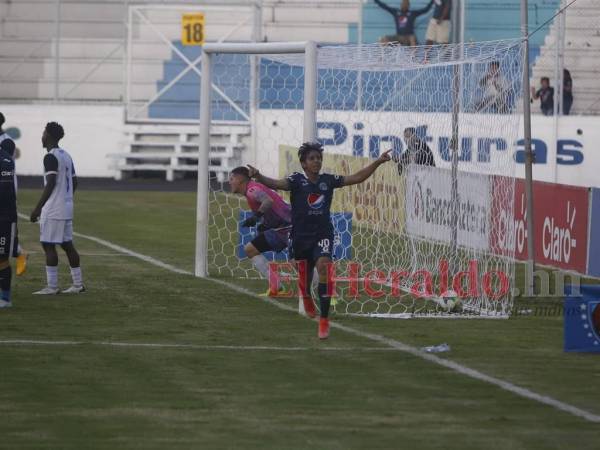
21	263
323	328
309	307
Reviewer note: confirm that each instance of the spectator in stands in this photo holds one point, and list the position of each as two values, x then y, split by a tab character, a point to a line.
404	18
438	30
546	96
417	151
496	88
567	93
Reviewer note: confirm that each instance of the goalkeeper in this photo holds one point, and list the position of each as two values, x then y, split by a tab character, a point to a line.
312	230
268	208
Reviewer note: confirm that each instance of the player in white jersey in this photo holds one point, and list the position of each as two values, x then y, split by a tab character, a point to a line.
9	147
55	211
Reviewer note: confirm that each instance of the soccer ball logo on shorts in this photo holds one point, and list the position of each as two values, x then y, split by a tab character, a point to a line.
315	201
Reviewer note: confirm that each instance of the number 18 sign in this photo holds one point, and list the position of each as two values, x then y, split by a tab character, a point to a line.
192	29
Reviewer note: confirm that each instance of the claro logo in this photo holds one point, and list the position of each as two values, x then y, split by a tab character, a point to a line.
513	232
557	240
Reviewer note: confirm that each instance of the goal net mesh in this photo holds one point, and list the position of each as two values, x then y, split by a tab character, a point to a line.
414	233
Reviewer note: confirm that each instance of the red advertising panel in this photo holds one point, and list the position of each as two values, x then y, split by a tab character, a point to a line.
509	227
561	218
560	223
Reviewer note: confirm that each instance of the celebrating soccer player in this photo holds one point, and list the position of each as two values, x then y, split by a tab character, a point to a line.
268	208
56	210
312	230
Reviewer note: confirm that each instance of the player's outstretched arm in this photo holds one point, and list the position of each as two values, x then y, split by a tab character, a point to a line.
366	172
282	185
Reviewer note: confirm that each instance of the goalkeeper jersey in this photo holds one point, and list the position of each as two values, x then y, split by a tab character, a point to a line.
280	213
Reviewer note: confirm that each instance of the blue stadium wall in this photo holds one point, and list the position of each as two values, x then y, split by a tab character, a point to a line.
486	20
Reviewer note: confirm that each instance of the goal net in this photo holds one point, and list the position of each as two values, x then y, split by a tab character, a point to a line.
430	233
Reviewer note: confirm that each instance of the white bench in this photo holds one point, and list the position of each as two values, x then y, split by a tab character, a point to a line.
174	150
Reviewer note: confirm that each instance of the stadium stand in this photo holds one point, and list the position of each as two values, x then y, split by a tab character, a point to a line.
92	60
581	55
506	23
92	43
92	36
173	149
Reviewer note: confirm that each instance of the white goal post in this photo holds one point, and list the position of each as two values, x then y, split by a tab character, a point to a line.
433	231
309	49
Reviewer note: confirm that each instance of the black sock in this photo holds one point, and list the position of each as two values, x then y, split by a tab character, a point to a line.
324	300
5	279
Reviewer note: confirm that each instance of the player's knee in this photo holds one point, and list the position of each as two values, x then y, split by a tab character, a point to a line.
67	246
48	248
251	250
322	269
4	263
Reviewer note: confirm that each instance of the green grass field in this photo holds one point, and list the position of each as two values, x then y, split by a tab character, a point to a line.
231	371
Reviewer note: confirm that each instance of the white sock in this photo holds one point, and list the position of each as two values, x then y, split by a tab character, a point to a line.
261	264
19	250
76	276
52	276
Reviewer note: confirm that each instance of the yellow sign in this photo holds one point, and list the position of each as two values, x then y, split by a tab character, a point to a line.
376	203
192	29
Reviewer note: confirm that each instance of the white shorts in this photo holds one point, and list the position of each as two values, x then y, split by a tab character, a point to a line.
56	231
438	33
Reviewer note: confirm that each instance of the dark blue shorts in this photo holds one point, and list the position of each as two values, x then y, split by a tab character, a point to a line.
7	238
275	240
311	248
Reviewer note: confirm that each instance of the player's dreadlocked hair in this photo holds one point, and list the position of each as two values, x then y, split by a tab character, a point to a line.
55	131
241	171
308	147
2	119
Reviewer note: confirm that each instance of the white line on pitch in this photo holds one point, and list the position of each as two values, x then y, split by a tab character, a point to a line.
392	343
119	255
155	345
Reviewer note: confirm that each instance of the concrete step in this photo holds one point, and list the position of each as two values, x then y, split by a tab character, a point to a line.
575	38
301	14
19	89
25	48
108	70
74	70
43	89
572	64
47	30
321	32
101	91
80	10
81	48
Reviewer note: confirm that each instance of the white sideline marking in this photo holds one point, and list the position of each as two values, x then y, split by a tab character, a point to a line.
126	251
120	255
392	343
34	342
